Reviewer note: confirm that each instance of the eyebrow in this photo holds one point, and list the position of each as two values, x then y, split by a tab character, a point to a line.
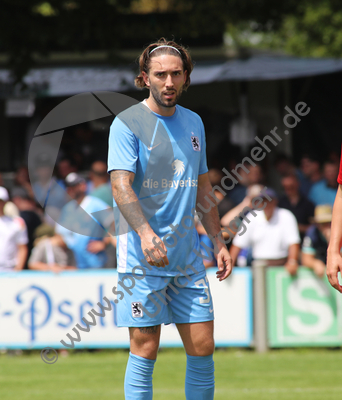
165	70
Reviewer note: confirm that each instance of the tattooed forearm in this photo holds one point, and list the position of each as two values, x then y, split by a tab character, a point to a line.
149	329
127	200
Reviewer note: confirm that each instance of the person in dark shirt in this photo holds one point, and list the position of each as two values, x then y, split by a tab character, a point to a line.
315	243
297	203
27	211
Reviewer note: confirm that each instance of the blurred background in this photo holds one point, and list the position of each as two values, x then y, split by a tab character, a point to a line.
252	59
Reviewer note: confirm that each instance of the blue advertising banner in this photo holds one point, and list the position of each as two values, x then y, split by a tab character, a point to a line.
40	309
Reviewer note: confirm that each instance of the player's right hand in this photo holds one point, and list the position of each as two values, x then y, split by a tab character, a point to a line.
154	250
334	266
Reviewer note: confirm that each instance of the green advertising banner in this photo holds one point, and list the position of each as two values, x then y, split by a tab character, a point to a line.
302	310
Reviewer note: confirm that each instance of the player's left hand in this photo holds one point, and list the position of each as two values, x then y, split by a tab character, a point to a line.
224	263
95	246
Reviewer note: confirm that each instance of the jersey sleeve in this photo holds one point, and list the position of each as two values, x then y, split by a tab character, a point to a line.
203	168
122	148
339	179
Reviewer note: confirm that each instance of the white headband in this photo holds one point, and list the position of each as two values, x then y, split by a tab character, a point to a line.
165	45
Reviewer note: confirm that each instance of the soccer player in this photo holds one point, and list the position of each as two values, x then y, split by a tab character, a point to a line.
159	177
334	259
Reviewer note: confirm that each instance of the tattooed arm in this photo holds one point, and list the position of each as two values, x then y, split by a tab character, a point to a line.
130	208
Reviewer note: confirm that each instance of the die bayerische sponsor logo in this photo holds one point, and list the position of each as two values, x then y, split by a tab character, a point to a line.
178	168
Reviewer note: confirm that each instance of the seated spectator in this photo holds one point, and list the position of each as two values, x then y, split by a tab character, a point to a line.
309	173
99	178
13	238
203	237
297	203
315	244
252	191
27	211
45	188
324	192
254	176
22	180
84	235
283	166
49	252
223	202
272	233
63	168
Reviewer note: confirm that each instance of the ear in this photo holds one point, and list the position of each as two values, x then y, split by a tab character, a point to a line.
146	78
185	76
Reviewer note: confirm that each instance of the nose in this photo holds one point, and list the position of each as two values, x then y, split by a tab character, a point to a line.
169	81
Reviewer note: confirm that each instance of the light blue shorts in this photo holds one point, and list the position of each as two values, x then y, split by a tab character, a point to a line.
156	300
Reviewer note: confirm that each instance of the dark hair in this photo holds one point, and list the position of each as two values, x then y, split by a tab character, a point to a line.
145	59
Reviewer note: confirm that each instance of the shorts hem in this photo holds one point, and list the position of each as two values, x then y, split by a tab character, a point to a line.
195	320
142	325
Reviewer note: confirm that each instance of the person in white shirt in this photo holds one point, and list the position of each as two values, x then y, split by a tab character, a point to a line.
13	238
272	234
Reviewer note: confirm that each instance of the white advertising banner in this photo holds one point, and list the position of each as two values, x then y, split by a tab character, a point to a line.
39	309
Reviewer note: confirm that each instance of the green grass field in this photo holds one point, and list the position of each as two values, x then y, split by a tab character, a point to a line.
240	374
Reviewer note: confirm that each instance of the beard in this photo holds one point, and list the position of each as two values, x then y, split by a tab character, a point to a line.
165	103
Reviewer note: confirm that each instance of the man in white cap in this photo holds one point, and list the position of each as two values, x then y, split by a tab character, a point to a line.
13	238
272	234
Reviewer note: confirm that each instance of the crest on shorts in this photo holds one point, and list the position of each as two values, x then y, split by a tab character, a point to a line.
195	143
137	311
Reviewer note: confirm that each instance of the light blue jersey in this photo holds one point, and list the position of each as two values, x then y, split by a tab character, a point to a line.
167	154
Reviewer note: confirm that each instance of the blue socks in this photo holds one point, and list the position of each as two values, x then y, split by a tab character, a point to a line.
138	378
199	378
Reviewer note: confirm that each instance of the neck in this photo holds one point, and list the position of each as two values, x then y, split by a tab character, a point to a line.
98	183
80	198
316	176
158	109
294	198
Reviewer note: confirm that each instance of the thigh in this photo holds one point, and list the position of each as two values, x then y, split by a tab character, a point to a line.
190	299
140	306
144	341
198	338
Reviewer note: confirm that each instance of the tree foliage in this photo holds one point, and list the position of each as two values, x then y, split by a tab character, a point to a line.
30	28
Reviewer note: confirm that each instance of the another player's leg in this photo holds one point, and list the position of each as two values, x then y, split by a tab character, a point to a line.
144	343
199	346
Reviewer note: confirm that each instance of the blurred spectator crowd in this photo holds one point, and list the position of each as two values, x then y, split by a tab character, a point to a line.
30	237
292	228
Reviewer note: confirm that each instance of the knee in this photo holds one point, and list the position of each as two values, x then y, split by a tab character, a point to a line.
203	348
208	347
145	344
147	347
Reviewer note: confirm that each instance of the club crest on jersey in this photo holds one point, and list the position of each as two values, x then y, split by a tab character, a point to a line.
137	311
195	143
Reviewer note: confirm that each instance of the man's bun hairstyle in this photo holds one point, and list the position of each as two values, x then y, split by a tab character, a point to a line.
163	46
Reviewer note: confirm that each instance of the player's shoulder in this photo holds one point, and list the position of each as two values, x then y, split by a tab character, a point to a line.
185	112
